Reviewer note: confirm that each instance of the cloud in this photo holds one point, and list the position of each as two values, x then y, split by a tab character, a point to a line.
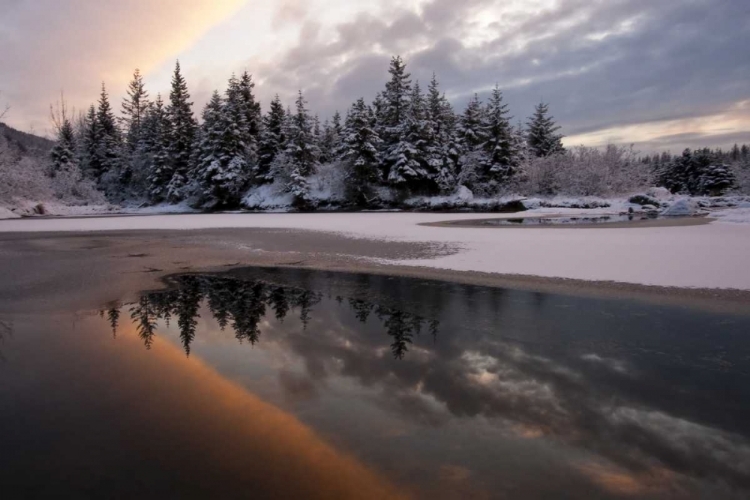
74	45
611	70
603	65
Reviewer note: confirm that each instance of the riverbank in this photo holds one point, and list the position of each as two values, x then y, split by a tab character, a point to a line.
87	269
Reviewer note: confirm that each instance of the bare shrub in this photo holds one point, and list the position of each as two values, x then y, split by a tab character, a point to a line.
585	171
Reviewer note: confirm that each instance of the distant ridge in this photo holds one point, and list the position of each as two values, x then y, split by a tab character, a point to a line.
26	143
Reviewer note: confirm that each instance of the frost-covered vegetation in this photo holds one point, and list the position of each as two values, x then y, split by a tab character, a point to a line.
28	186
407	148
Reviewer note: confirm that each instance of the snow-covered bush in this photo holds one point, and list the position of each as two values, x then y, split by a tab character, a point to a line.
742	177
585	171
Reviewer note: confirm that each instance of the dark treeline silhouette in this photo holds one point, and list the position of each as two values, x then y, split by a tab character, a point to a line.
242	304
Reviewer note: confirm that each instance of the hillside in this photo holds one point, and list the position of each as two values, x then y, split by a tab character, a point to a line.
24	142
27	186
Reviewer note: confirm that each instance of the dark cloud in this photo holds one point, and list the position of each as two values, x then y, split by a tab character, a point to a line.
600	64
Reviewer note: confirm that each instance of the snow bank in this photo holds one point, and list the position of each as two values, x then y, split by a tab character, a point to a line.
707	256
7	214
739	215
268	197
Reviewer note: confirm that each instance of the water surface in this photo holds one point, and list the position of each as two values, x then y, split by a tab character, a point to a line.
291	384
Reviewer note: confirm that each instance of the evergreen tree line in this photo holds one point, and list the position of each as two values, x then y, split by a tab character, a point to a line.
242	305
701	172
409	140
405	142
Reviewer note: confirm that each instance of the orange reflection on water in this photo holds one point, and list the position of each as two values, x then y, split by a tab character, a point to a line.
238	437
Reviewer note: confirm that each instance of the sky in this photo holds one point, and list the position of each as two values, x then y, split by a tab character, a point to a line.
663	75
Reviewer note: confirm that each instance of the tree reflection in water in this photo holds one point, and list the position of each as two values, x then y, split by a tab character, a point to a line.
242	305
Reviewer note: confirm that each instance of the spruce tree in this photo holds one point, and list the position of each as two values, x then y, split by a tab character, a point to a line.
155	141
443	148
378	108
253	121
392	111
209	145
336	125
108	148
272	140
134	108
90	161
471	134
471	137
735	154
501	155
360	154
302	154
716	179
541	135
182	128
408	156
326	143
229	176
63	154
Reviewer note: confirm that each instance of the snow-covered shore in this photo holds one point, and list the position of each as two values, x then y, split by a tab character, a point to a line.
713	255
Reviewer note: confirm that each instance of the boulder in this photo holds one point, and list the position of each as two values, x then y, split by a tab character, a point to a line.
680	208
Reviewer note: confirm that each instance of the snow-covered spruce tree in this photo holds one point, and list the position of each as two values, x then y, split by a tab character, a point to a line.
541	135
392	112
88	145
109	146
333	136
272	140
155	143
443	146
379	108
329	143
63	154
674	174
253	121
471	136
302	154
360	154
317	130
471	133
208	145
501	160
223	171
134	108
182	127
716	179
408	157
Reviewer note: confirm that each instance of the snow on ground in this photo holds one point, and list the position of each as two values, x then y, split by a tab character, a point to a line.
713	255
739	215
7	214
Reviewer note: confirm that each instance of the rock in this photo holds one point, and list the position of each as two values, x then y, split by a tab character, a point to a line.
464	194
39	209
642	199
658	192
680	208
